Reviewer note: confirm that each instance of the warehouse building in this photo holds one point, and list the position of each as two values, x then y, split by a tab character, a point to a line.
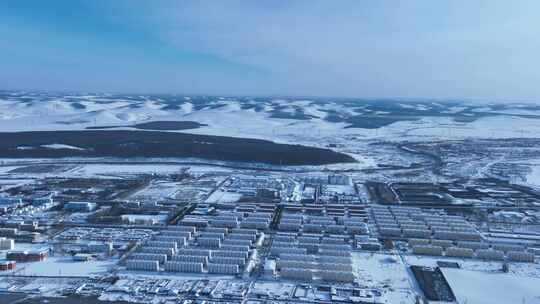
80	206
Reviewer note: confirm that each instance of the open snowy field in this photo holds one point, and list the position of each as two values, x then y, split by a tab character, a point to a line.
517	269
65	266
488	288
58	265
386	273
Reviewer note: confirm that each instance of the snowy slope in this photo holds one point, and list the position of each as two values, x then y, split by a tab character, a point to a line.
283	120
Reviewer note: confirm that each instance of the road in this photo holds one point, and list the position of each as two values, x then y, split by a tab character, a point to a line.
254	167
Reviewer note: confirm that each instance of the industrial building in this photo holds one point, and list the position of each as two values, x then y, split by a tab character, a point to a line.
27	255
7	265
80	206
6	244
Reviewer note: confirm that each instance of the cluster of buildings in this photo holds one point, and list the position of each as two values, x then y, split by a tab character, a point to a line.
26	219
87	239
37	255
21	231
331	179
27	205
467	249
314	242
216	240
259	238
167	287
411	222
9	203
439	234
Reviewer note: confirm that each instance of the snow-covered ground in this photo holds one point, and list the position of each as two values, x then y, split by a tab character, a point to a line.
65	266
487	288
158	189
517	269
118	169
221	196
61	146
58	265
486	127
320	123
387	273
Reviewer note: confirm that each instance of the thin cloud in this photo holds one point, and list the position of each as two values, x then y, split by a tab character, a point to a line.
441	49
386	48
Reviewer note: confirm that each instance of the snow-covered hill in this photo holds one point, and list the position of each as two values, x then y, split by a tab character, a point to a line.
290	120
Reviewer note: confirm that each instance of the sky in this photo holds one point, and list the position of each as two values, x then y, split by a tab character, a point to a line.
486	49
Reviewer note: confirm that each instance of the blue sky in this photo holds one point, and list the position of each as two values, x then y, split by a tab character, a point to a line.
442	49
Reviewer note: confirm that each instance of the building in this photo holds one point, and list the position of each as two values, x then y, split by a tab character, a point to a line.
28	237
8	232
81	257
7	265
10	202
339	179
6	244
94	247
28	256
44	202
80	206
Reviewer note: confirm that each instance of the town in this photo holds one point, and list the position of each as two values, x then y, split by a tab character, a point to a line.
194	234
